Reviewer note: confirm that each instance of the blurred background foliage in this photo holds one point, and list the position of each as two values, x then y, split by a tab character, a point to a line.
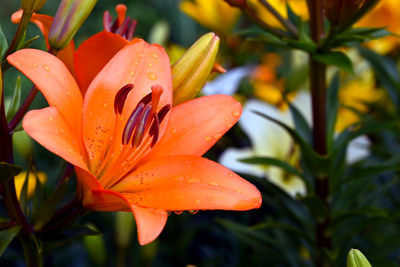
277	234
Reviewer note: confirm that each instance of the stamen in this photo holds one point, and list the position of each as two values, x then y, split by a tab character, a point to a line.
131	30
154	130
132	123
123	27
144	123
107	20
114	26
146	99
121	96
161	114
156	91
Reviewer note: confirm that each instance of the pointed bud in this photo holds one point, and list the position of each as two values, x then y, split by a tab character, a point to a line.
69	18
356	259
191	71
31	6
344	13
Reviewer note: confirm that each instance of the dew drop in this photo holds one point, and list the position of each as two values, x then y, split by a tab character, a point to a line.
207	138
154	55
197	201
193	180
230	174
131	73
70	149
214	183
173	131
50	118
68	93
35	64
105	105
236	113
178	212
150	65
46	67
152	76
217	136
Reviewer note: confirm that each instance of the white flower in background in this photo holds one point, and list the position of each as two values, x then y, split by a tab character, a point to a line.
270	140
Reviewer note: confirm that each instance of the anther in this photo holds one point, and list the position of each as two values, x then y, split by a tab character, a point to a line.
132	123
146	99
121	96
154	130
144	123
107	21
161	114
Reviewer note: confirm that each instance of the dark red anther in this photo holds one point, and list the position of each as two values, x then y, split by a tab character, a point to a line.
154	130
146	99
123	27
161	114
131	30
121	96
126	29
144	123
132	123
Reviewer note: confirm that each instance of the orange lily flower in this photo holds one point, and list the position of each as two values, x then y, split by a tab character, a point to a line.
131	150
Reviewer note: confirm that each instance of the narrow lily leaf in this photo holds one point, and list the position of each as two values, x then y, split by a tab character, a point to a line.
8	171
386	72
48	207
316	206
335	58
300	123
332	104
24	192
16	99
274	162
3	43
95	246
6	236
27	43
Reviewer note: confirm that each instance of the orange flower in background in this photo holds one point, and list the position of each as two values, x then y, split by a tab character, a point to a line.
131	150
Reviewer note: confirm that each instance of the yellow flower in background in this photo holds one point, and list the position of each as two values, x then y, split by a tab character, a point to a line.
215	15
266	86
385	14
298	6
354	98
20	179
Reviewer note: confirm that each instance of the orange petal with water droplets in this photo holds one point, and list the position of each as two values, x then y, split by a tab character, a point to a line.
194	126
93	54
43	22
186	182
54	80
150	222
49	128
138	63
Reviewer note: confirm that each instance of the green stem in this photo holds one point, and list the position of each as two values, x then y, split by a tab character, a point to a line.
23	24
33	258
318	94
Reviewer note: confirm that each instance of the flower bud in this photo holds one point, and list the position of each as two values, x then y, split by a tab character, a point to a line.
191	71
356	259
346	12
69	17
31	6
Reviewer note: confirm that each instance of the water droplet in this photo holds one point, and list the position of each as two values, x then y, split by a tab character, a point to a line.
46	67
70	149
193	211
207	138
35	64
68	93
140	55
236	113
179	178
131	73
186	162
197	201
152	76
193	180
173	131
105	105
217	135
230	174
214	183
178	212
50	118
150	65
154	55
136	63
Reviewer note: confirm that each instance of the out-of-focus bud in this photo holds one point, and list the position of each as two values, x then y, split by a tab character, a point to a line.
31	6
191	71
236	3
356	259
343	13
69	18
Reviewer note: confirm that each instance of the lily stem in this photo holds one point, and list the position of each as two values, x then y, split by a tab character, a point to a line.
318	98
22	110
26	16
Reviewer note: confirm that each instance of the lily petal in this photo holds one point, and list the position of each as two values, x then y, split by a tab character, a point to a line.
186	182
43	22
54	80
138	63
196	125
93	54
49	128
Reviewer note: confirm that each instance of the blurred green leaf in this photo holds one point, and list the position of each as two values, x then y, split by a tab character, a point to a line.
6	236
3	43
316	206
300	123
16	100
95	247
332	106
338	59
8	171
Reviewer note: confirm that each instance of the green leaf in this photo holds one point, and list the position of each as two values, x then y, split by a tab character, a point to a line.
95	246
60	237
28	43
332	104
8	171
16	100
316	206
6	236
3	43
386	72
335	58
300	123
274	162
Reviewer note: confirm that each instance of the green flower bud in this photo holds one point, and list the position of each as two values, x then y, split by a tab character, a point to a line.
31	6
356	259
191	71
69	17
